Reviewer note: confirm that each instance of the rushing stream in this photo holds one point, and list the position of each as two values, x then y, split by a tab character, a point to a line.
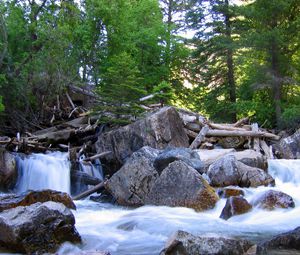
144	230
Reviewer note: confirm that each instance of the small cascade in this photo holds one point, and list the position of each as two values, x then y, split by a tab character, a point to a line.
44	171
94	170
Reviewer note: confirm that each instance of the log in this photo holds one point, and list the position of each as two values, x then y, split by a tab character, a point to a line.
102	154
200	137
256	146
89	191
266	149
241	122
242	133
190	133
70	101
225	127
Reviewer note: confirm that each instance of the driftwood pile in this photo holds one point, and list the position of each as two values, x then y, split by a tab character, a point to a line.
205	134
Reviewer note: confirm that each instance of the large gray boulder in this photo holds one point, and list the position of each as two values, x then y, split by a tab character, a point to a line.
30	197
8	170
159	130
181	185
184	243
38	228
130	185
228	171
273	199
289	147
186	155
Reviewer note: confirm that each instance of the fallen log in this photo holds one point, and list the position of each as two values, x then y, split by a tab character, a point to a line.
241	122
102	154
225	127
266	149
242	133
89	191
200	137
256	146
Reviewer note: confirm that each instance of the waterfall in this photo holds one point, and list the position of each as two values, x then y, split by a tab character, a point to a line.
44	171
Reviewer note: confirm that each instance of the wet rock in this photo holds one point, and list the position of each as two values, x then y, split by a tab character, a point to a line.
251	158
181	185
38	228
228	171
289	147
273	199
235	206
30	197
184	243
130	185
159	130
230	192
186	155
288	240
8	170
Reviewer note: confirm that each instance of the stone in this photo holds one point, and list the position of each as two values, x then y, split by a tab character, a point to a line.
288	240
159	130
181	185
38	228
289	147
8	170
130	185
228	171
232	142
235	206
186	155
184	243
230	192
273	199
30	197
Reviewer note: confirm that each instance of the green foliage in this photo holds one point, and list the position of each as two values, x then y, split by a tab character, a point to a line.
164	92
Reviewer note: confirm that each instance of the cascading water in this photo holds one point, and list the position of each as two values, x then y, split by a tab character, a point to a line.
44	171
144	230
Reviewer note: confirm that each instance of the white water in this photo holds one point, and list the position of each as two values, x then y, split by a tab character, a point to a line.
144	230
44	171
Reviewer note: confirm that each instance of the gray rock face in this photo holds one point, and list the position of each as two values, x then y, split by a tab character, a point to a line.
8	170
273	199
181	185
251	158
288	240
31	197
38	228
186	155
228	171
183	243
289	147
235	206
133	181
159	130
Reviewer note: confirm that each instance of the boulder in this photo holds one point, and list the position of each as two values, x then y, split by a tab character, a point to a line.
38	228
235	206
230	192
288	240
184	243
130	185
181	185
273	199
8	170
186	155
30	197
159	130
228	171
289	147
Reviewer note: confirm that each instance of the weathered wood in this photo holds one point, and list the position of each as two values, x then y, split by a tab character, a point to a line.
241	122
266	149
190	133
102	154
256	146
83	91
147	97
225	127
70	101
200	137
89	191
242	133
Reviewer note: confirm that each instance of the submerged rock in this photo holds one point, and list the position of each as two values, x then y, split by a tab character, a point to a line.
130	185
31	197
228	171
186	155
181	185
289	147
159	130
184	243
8	170
273	199
235	206
38	228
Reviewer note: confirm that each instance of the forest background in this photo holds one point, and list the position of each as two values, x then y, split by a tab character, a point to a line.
242	60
